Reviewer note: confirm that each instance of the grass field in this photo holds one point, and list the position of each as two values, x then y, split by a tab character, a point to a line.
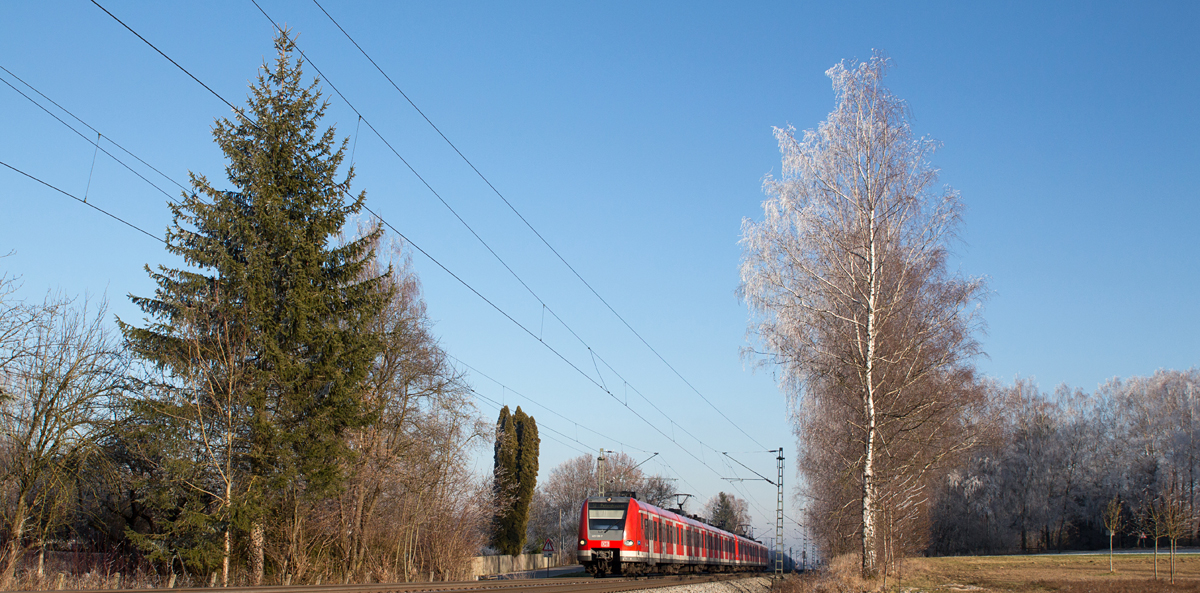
1133	573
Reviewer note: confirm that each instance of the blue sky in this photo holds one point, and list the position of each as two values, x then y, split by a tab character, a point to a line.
635	137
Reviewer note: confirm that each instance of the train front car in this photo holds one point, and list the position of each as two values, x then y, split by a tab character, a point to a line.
607	542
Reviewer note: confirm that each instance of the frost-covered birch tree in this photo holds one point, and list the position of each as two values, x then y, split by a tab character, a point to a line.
845	277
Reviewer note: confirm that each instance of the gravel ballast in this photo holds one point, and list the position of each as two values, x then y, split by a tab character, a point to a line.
747	585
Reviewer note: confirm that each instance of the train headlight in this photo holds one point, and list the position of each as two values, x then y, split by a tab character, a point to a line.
583	542
629	542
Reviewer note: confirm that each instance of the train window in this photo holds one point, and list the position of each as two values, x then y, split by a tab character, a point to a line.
606	521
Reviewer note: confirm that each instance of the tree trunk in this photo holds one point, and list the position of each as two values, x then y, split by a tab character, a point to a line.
229	503
225	560
1172	561
1110	552
256	553
1156	558
13	553
869	543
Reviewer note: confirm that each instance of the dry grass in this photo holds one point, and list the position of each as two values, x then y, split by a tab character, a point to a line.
1005	574
59	581
1132	572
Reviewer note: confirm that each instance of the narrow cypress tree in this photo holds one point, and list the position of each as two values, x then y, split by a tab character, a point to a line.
527	470
515	477
505	482
265	267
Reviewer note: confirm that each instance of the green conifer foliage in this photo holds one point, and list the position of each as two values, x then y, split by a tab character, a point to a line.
515	478
266	273
527	469
505	482
723	514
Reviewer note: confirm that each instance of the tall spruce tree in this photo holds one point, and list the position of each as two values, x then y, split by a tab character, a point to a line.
515	478
269	323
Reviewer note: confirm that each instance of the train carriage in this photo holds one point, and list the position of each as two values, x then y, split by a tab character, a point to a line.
623	535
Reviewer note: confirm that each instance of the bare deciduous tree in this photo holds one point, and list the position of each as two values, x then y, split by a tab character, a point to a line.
61	367
14	318
846	279
1114	521
410	509
1172	519
557	502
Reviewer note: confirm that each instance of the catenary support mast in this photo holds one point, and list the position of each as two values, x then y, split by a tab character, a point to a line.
779	518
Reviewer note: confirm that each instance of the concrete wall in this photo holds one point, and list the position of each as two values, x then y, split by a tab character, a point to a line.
486	565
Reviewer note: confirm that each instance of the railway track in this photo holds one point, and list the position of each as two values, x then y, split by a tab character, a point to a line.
587	585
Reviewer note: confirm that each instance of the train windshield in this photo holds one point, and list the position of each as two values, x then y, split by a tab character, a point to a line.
606	520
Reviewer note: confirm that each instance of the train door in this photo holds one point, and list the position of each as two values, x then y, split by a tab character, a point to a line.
666	533
657	536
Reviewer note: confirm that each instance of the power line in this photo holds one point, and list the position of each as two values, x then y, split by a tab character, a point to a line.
545	407
527	330
95	142
598	384
431	258
181	68
92	206
528	224
110	140
469	228
541	425
768	480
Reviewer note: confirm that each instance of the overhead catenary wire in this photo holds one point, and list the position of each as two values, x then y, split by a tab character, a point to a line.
176	64
506	388
540	425
530	226
424	182
528	331
95	142
139	229
601	384
768	480
436	262
478	237
88	126
92	206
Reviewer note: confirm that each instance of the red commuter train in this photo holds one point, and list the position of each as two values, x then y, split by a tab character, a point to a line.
623	535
